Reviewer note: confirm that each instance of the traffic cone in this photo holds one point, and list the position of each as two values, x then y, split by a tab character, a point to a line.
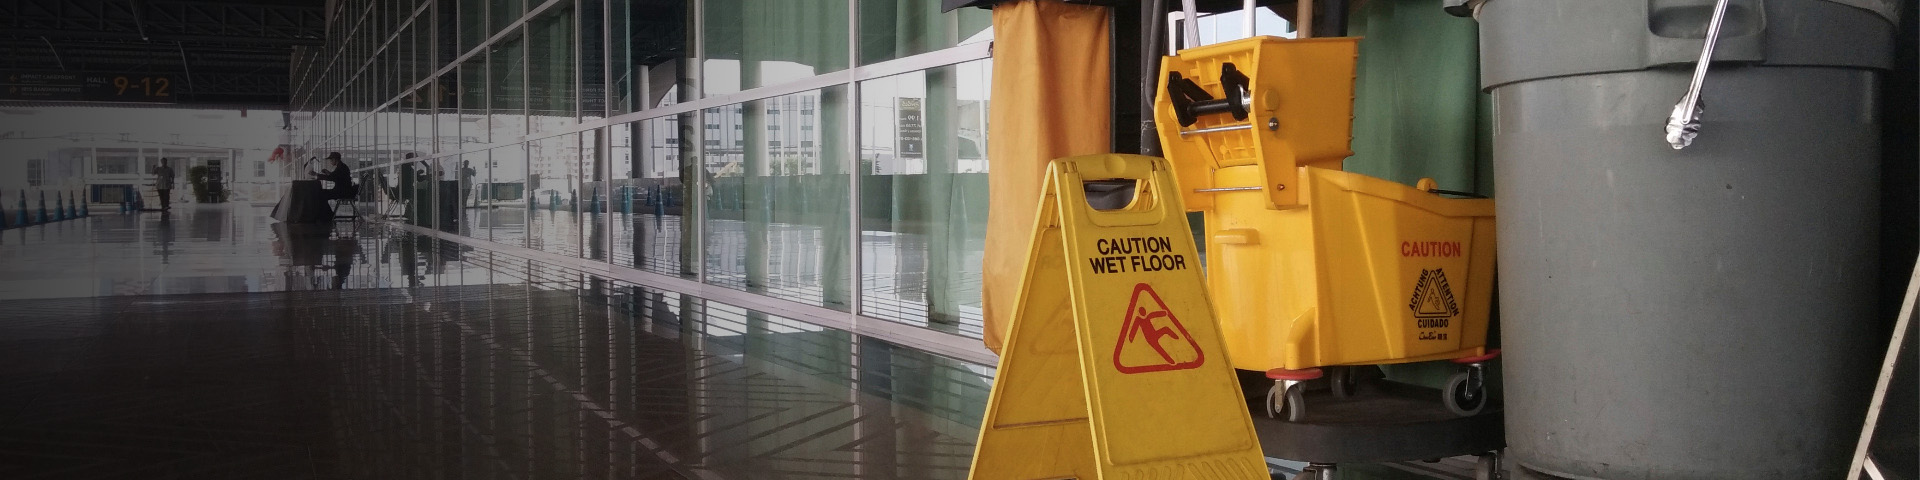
22	211
84	207
59	206
42	217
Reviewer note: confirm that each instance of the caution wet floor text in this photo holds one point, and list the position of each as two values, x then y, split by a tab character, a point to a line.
1113	366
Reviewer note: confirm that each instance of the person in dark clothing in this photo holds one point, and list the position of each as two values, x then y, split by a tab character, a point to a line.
340	176
163	183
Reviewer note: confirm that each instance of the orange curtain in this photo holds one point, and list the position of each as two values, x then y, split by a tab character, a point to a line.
1051	99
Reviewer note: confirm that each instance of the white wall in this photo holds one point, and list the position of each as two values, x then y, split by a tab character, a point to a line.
44	133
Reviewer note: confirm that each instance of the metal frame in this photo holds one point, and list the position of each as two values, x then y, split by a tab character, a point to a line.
346	114
967	349
935	59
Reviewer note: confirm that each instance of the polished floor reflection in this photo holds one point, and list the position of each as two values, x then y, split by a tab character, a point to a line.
478	367
227	248
212	343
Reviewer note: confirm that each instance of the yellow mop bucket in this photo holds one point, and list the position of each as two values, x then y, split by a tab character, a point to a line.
1310	266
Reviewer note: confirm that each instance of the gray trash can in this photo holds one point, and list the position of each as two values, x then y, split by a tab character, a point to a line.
1691	314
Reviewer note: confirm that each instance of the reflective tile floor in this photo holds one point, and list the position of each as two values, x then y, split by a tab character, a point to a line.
487	368
212	343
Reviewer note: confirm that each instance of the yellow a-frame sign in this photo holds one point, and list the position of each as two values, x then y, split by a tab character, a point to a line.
1113	366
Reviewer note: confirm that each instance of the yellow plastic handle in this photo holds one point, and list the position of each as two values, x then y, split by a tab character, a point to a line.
1150	193
1113	167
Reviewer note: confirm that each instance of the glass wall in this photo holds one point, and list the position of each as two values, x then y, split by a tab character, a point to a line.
923	203
721	141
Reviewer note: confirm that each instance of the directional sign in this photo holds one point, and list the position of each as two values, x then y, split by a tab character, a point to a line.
88	87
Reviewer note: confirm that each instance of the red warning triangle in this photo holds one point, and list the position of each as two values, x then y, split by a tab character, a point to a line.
1152	339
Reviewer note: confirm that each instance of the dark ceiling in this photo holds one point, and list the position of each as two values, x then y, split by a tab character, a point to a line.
211	52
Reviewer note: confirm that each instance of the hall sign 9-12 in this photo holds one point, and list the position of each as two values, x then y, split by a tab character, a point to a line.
88	87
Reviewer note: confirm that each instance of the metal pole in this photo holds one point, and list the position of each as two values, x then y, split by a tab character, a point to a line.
1246	24
1683	125
1303	20
1154	18
1190	23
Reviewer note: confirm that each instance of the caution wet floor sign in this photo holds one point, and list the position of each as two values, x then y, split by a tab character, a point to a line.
1113	367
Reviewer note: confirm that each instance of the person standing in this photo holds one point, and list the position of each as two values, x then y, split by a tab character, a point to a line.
163	183
466	183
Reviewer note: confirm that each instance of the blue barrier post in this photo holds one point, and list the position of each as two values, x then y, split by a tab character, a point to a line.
42	218
84	207
659	207
22	210
626	200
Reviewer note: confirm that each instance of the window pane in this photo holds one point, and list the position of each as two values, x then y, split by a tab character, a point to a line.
594	196
891	29
447	123
508	195
923	195
592	43
414	187
553	177
647	52
649	234
473	24
445	190
505	12
472	83
445	37
778	205
755	43
116	161
550	91
507	90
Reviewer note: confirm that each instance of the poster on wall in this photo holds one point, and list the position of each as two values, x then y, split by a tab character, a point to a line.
912	141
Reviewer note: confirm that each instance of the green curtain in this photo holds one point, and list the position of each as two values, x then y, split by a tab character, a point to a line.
1418	110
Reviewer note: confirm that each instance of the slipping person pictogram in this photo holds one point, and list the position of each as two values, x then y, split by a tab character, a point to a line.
1150	323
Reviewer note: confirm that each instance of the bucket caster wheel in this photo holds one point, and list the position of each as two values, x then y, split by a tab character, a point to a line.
1286	399
1463	399
1466	392
1344	380
1316	471
1487	467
